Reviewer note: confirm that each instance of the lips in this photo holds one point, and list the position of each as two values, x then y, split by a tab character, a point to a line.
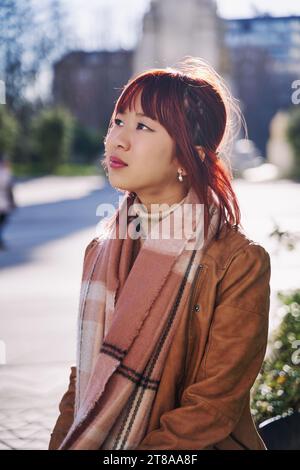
117	161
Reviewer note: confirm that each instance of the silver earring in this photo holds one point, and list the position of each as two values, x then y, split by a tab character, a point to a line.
180	178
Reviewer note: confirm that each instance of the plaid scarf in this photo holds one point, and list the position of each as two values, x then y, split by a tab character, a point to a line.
127	321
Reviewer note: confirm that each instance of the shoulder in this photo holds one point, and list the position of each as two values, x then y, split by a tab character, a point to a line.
242	268
92	243
91	246
234	243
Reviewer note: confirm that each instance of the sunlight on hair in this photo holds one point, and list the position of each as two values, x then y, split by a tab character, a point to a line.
199	68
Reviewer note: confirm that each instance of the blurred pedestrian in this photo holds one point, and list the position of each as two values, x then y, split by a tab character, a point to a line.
7	201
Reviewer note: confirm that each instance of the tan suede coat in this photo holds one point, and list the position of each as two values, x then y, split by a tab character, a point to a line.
203	400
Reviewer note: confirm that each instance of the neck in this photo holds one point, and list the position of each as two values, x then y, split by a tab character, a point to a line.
170	199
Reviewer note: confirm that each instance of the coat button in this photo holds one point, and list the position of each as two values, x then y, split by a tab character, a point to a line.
197	307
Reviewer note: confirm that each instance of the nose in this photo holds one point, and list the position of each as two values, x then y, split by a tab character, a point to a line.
121	139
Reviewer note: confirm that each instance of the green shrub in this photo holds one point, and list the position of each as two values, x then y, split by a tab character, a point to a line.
276	391
293	136
77	169
87	144
51	138
9	130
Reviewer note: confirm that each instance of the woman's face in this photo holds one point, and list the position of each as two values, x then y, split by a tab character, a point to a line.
147	148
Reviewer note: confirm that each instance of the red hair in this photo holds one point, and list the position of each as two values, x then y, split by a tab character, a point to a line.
194	105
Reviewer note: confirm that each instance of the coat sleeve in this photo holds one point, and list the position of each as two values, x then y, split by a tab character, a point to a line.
210	408
66	416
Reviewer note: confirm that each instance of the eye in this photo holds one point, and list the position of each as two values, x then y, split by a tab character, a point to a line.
117	121
141	124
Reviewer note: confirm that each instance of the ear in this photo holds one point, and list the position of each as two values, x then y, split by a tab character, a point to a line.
178	165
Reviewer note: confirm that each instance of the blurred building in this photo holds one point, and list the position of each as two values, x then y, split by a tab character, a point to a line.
173	29
265	57
88	83
278	36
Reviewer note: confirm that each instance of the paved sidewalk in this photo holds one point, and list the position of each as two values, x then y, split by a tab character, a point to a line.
29	397
46	189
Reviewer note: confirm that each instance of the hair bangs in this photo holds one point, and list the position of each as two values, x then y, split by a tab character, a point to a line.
158	99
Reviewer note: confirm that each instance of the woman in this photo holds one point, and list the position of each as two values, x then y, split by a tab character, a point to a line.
173	323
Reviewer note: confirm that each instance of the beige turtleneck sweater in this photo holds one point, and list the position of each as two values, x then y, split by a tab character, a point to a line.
147	218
